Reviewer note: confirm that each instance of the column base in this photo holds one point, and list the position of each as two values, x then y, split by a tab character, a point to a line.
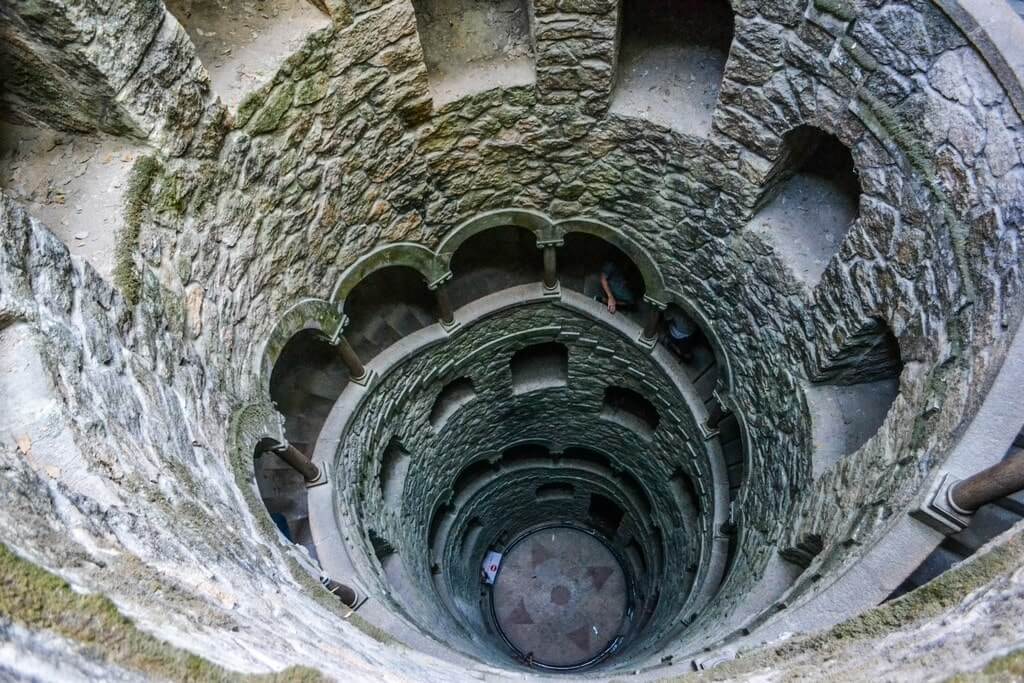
707	432
451	327
939	512
552	292
647	343
365	380
320	480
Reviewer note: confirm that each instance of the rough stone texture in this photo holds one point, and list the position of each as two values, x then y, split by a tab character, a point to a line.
340	153
126	69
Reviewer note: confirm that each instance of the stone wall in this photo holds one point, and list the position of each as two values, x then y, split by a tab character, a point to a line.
340	153
399	405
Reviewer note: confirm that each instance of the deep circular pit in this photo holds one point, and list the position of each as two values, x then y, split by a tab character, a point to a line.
560	598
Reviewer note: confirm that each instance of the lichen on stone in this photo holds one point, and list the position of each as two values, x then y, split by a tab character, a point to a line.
136	197
37	599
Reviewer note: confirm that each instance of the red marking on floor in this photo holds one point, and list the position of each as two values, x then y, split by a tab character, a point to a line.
581	638
599	575
520	615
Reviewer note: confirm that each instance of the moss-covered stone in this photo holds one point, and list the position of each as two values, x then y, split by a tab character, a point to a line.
37	599
311	90
1006	669
136	197
272	113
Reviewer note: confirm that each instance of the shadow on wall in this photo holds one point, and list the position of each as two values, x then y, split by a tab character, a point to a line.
493	260
810	201
386	306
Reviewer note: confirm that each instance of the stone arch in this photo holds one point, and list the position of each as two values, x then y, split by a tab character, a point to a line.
654	282
308	314
697	314
408	254
534	221
797	145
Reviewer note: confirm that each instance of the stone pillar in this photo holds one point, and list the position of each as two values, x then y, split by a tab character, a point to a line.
444	305
989	485
346	594
715	416
576	43
651	327
298	461
550	267
356	369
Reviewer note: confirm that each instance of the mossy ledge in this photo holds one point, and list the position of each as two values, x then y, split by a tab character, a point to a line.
1006	669
927	602
39	600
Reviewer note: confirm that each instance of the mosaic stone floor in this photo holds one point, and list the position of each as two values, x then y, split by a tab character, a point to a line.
560	597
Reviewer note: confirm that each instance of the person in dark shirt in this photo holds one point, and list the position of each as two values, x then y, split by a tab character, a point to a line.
681	335
615	290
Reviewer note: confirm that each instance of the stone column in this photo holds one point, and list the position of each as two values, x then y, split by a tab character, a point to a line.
444	305
550	267
298	461
715	415
356	369
989	485
651	327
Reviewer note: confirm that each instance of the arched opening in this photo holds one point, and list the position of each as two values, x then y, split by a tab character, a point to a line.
687	499
387	305
541	366
672	61
631	410
554	491
853	392
493	260
307	379
584	258
604	513
683	337
241	44
393	470
283	492
523	453
471	474
470	47
454	395
810	200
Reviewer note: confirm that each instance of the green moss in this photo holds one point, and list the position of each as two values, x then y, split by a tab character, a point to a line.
37	599
126	272
927	602
250	105
1006	669
311	90
272	113
886	119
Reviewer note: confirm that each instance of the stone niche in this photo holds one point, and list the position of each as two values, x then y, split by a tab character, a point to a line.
472	46
671	61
